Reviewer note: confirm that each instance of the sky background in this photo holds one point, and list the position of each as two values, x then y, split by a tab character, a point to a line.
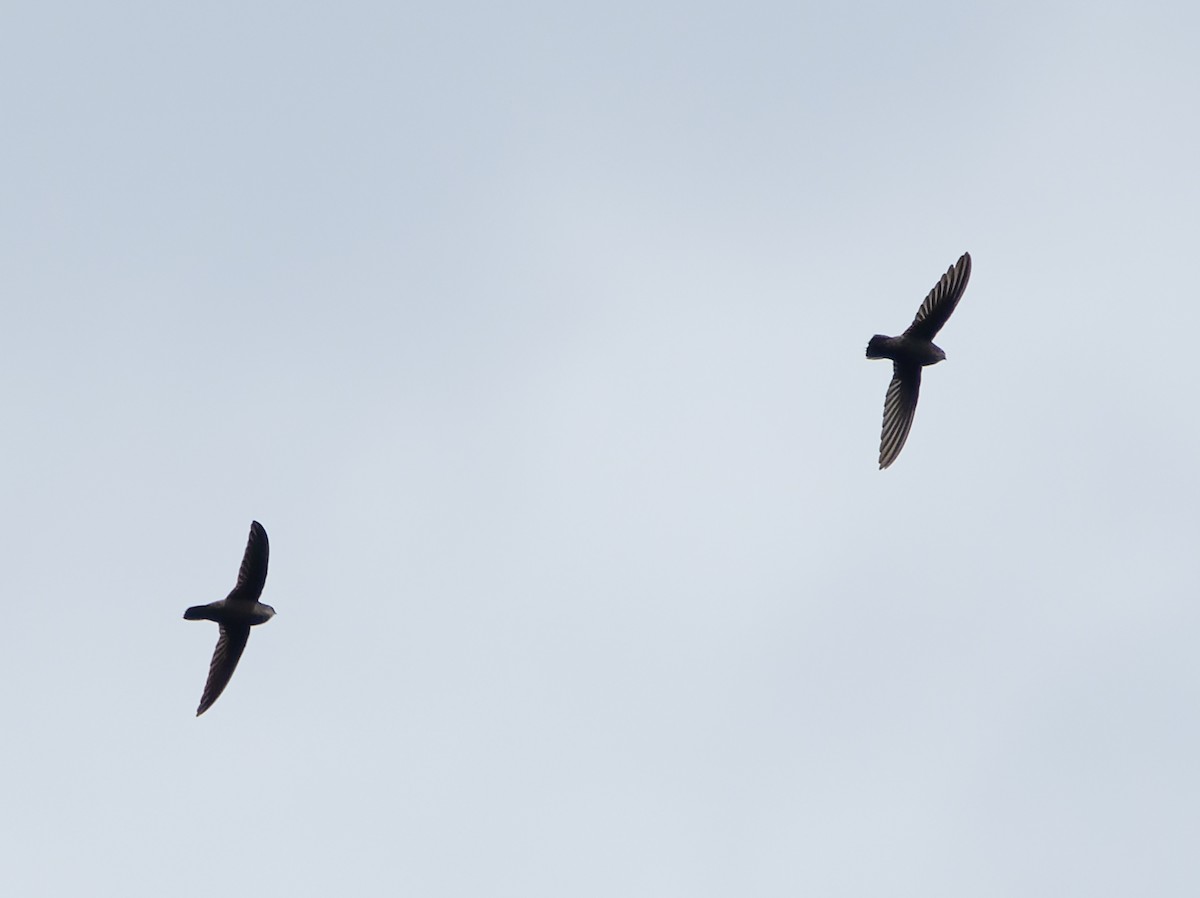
534	333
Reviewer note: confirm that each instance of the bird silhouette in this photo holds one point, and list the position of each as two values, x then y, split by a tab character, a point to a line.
236	614
910	352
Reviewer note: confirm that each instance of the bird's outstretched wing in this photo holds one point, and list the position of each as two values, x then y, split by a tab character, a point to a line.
224	662
942	299
253	573
898	410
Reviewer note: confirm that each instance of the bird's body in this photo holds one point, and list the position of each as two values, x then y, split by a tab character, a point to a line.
905	350
912	351
231	613
236	614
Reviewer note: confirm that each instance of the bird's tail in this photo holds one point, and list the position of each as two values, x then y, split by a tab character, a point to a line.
875	348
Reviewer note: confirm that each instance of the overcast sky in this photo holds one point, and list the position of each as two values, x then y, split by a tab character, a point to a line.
533	333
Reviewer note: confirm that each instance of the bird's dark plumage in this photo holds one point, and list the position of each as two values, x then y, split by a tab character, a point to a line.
230	645
236	613
252	575
911	351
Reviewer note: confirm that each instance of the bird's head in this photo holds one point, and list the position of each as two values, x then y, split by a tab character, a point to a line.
262	614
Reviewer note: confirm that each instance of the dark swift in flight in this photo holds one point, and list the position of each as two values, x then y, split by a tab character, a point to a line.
911	351
236	613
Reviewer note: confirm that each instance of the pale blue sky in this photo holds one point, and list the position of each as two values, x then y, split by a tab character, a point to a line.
534	336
